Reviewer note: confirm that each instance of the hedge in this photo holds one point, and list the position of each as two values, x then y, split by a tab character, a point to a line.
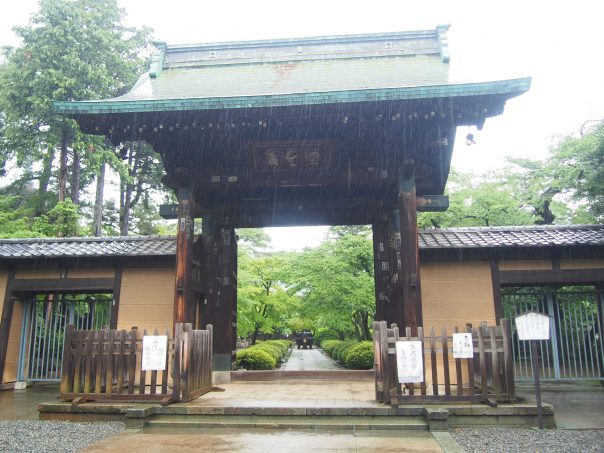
350	353
360	356
264	355
323	335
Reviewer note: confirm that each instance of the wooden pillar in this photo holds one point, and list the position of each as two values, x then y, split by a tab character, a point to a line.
5	321
381	265
219	277
395	314
184	254
410	276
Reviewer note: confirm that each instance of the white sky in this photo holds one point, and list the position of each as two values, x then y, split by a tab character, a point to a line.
559	43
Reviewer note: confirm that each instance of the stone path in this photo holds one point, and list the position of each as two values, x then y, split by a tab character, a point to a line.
310	359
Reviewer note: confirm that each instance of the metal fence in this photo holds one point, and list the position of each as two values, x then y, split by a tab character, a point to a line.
45	319
575	350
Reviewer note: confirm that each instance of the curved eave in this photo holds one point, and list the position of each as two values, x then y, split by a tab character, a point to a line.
508	88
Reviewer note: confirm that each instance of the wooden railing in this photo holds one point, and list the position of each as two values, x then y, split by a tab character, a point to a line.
488	376
106	365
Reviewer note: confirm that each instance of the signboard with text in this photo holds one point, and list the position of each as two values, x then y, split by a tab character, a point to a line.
462	346
409	361
532	326
155	348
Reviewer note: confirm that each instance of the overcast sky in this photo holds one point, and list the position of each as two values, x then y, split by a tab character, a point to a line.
559	44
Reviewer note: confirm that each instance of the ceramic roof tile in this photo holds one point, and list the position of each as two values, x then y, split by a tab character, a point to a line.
450	238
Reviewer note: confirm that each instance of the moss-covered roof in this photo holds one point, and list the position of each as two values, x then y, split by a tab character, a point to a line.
339	69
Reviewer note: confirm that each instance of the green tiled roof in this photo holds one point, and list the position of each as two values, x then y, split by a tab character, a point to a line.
360	68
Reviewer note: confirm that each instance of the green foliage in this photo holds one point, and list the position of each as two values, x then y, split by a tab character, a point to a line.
335	281
360	356
325	334
263	304
255	359
338	349
265	355
70	50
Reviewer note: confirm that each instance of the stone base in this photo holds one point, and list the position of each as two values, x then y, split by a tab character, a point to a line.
221	377
20	385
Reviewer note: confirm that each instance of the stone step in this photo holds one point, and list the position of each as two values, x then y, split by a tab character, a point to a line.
288	422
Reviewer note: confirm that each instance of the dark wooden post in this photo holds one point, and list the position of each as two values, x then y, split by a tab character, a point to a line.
219	277
395	314
381	263
410	277
5	321
184	253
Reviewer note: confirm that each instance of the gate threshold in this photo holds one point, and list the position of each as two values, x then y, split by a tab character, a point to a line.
308	375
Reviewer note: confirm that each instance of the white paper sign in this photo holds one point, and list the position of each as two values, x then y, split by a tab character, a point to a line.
409	361
532	326
155	348
462	346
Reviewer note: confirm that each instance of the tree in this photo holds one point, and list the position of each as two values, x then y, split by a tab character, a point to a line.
263	304
71	50
336	282
475	200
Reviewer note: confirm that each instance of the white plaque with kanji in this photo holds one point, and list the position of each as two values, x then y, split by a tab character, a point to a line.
532	326
155	348
462	346
409	361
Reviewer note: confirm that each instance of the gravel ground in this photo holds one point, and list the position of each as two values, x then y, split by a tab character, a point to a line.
53	436
491	440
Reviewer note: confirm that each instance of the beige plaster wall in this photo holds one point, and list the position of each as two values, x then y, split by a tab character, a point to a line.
530	265
454	294
147	299
91	273
582	264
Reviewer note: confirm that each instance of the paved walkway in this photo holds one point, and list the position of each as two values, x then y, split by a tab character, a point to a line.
310	360
266	440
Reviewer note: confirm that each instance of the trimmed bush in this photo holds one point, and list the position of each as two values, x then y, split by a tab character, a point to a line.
255	359
360	356
263	355
323	335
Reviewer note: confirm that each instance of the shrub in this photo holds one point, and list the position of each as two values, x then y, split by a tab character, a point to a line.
329	345
275	351
340	351
323	335
360	356
255	359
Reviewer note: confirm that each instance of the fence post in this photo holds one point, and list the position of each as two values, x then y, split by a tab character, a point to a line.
508	359
176	362
67	366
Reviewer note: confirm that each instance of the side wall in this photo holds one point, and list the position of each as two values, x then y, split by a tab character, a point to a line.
147	299
455	293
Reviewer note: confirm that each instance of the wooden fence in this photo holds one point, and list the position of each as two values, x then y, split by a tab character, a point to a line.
107	365
486	377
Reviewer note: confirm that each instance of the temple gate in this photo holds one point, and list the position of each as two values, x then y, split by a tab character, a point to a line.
337	130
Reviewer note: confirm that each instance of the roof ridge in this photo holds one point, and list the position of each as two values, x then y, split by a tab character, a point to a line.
84	239
512	228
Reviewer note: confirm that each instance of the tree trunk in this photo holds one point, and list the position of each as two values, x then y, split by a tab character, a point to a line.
63	166
98	201
255	334
44	180
75	179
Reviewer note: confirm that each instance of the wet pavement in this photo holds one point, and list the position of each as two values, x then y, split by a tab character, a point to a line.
310	360
23	404
265	441
576	405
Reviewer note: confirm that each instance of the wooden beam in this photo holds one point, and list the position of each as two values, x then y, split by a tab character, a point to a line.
495	281
117	289
184	254
62	285
5	321
381	265
410	276
552	277
432	203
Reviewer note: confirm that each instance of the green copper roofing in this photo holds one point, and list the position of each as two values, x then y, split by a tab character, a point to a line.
308	71
510	87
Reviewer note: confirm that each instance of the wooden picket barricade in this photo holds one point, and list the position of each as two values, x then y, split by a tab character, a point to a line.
486	377
107	365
